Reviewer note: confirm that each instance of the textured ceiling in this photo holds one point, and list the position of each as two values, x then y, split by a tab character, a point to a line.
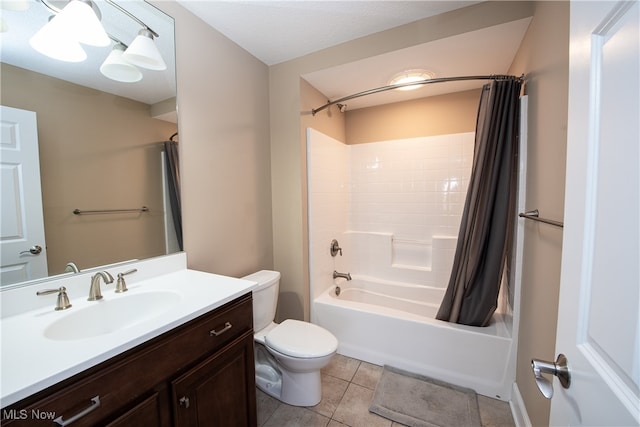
477	53
278	31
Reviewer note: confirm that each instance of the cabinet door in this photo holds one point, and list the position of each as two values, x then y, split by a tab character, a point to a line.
147	413
220	391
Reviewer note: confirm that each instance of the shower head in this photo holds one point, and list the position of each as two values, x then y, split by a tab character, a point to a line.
342	107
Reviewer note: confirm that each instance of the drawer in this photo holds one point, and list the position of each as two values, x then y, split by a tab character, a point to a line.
214	331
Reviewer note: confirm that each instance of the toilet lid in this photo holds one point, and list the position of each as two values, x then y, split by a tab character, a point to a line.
301	339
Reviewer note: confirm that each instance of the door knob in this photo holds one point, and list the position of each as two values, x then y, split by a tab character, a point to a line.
33	250
559	368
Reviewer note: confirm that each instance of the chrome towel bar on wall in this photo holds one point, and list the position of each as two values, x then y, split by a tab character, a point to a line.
535	216
110	211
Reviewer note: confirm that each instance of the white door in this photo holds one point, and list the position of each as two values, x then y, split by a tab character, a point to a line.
598	320
22	245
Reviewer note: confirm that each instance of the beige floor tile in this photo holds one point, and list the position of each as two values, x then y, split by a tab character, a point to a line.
342	367
265	406
332	391
354	409
347	389
367	375
296	416
494	412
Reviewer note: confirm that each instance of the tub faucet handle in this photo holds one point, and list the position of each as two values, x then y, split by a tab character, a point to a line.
335	248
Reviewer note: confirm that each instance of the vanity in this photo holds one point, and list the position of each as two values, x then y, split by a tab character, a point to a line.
175	349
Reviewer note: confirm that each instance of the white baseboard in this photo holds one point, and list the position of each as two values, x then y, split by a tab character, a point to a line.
518	409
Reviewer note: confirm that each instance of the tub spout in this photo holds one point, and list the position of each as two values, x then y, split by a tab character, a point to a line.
343	275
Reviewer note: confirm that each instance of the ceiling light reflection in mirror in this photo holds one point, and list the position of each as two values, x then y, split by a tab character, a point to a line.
78	22
123	21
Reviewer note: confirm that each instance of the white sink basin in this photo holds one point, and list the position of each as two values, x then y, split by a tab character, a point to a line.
110	315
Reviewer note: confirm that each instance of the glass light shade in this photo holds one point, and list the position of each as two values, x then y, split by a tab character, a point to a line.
116	68
410	76
52	42
144	53
79	22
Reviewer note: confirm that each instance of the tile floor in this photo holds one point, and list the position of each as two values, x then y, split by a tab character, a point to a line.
347	389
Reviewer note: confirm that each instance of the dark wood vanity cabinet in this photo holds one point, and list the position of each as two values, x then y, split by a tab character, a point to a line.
206	394
199	374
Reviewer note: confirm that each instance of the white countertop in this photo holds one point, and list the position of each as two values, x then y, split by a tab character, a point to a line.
31	362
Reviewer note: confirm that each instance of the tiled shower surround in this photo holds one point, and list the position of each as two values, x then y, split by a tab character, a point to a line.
414	188
395	206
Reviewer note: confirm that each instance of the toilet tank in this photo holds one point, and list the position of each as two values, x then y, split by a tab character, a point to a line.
265	297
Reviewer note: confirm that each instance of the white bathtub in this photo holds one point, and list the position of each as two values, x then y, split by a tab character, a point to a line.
401	331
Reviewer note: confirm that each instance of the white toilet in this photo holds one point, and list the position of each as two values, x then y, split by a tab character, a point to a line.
288	355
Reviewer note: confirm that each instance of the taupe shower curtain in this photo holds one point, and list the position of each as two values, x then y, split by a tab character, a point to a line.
173	176
472	294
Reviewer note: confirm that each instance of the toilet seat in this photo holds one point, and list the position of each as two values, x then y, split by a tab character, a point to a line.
303	340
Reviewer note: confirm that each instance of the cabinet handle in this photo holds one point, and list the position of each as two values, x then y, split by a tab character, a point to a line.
95	404
227	326
184	401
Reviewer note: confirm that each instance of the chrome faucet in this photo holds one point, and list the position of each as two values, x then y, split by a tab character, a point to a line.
343	275
94	291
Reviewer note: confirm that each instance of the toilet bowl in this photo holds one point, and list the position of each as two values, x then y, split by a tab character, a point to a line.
289	355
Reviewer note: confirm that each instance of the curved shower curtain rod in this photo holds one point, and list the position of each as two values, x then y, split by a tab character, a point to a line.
422	82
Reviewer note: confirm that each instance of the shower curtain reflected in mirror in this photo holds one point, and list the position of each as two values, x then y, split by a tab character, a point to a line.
482	249
173	178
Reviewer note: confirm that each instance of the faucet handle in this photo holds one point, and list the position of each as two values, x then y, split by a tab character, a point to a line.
335	248
63	300
121	286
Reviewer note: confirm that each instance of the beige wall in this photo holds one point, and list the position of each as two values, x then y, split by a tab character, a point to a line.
288	177
97	151
435	115
544	59
223	117
291	302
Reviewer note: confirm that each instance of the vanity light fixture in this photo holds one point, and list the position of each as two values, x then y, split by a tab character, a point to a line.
82	22
77	22
144	53
115	67
410	76
51	41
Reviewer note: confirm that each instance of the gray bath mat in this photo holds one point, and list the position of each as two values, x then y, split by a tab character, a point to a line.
419	401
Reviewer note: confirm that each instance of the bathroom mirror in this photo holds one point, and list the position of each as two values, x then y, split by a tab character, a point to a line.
100	140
